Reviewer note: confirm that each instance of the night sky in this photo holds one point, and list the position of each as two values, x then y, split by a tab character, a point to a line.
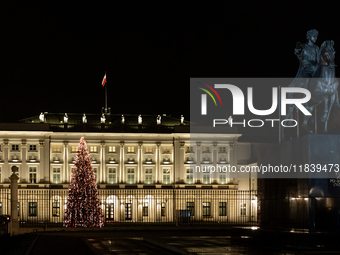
54	56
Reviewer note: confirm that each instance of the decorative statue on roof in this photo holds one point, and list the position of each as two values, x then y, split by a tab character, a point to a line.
42	117
102	119
159	119
84	118
65	118
139	119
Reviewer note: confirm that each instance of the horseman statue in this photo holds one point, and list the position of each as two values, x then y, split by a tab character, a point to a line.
317	74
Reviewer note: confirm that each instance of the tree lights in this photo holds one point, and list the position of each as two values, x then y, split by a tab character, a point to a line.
83	204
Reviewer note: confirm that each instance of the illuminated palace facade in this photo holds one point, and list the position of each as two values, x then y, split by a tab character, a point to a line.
145	167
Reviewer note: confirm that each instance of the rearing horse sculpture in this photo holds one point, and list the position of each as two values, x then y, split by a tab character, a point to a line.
323	87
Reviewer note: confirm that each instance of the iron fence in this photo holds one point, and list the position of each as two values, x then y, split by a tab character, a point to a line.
46	207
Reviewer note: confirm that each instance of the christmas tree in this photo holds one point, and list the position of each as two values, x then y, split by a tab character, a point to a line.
83	204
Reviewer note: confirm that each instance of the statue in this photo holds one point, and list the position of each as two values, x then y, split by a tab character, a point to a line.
320	80
308	55
323	85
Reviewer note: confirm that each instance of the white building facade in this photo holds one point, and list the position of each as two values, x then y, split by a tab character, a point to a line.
143	177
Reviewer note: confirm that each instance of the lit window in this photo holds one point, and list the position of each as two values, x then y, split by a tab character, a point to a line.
163	209
166	150
33	175
190	176
145	209
130	175
222	209
56	175
206	208
74	148
243	209
33	147
56	148
206	178
148	149
15	147
191	208
222	150
56	209
148	176
206	149
93	148
112	176
32	208
223	179
112	149
131	149
166	176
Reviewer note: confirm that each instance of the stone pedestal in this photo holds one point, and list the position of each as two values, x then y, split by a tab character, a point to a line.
14	223
303	200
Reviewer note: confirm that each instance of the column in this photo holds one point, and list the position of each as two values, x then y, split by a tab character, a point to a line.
14	202
45	157
6	155
121	163
24	169
198	175
214	159
158	174
232	161
66	176
102	171
139	162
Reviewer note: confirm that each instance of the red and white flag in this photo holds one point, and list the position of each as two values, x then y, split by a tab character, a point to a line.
104	80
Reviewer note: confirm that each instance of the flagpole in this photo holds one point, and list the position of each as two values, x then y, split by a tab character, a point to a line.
106	97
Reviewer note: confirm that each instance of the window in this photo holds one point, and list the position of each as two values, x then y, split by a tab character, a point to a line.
128	211
223	179
56	175
112	149
145	209
32	208
163	209
166	150
95	173
112	176
148	149
190	176
191	208
15	147
243	209
166	176
74	148
93	148
206	178
33	147
1	213
130	175
56	148
222	150
222	209
56	209
148	176
206	208
33	175
131	149
206	149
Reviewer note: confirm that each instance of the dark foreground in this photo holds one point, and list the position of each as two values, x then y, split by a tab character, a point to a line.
181	241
